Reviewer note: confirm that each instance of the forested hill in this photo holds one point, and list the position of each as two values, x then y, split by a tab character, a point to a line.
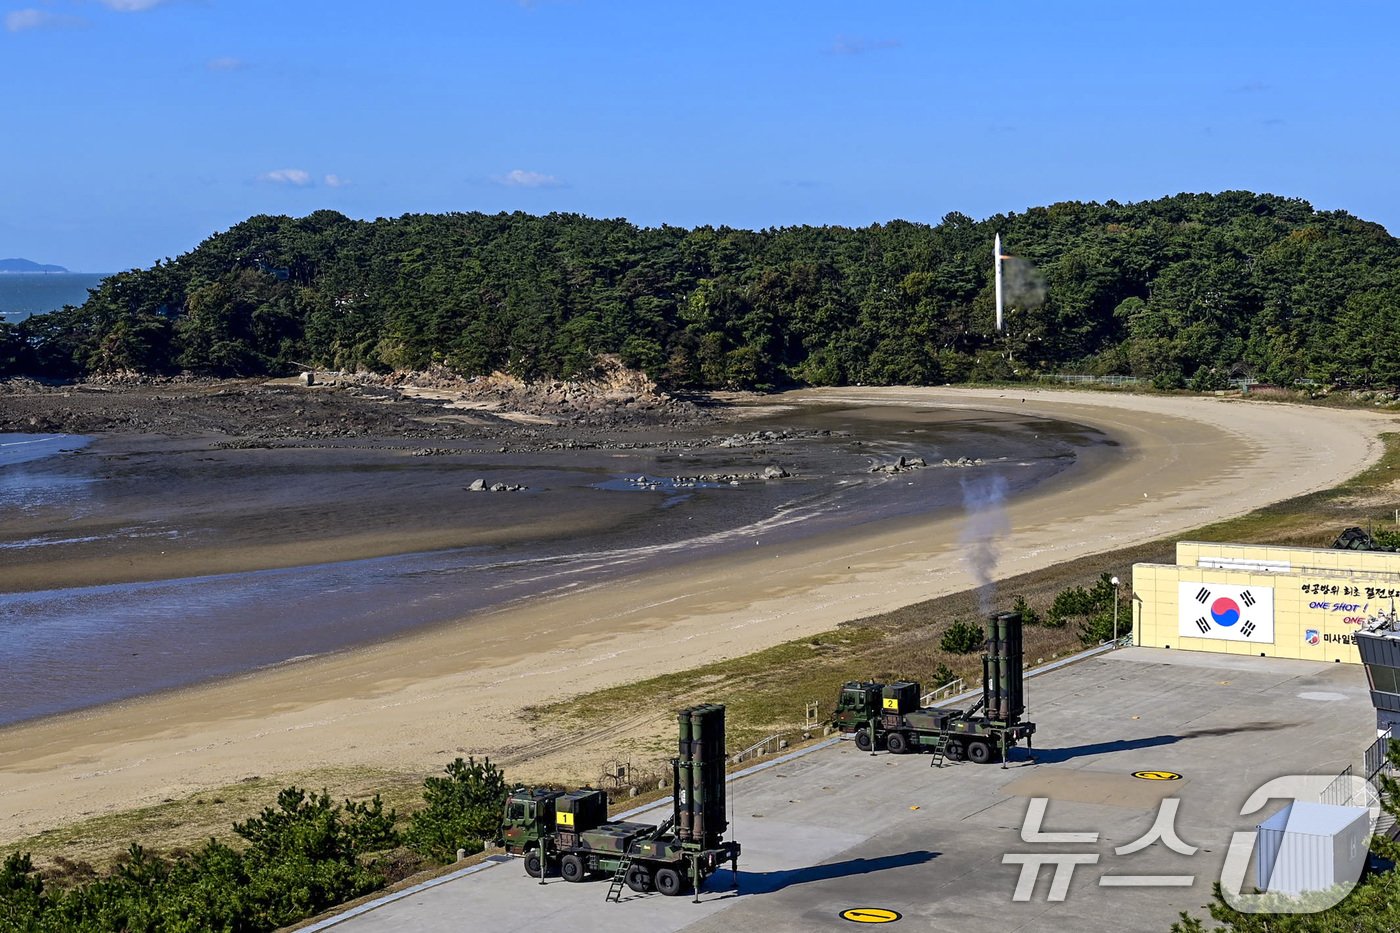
1186	289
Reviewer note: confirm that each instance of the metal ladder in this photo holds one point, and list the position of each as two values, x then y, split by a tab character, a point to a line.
619	879
940	751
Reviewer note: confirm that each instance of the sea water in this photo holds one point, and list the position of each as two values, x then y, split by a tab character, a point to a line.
21	448
26	293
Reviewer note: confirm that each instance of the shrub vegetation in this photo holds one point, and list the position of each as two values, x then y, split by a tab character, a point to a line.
463	810
962	638
295	859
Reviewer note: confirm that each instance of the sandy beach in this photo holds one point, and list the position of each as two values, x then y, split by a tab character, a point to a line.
421	699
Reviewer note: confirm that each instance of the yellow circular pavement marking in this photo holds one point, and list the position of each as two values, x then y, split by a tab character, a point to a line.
870	915
1157	775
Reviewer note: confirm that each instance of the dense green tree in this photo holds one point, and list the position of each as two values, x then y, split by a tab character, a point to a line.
463	810
961	637
1194	288
13	355
22	899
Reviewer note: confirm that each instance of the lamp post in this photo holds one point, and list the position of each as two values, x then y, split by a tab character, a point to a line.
1114	581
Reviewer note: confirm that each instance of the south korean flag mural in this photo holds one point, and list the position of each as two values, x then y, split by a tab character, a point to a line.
1234	613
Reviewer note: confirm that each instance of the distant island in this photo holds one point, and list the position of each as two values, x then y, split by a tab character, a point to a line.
25	265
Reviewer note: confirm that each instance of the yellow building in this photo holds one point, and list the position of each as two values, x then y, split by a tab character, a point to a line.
1278	602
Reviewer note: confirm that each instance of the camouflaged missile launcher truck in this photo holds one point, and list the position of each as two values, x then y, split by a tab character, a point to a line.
888	715
569	832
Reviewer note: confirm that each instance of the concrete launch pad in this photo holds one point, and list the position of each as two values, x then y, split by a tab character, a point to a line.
837	830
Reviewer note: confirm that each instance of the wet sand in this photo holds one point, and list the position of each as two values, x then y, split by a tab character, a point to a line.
411	703
200	561
139	508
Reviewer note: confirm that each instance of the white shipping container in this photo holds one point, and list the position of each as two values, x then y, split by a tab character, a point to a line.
1311	847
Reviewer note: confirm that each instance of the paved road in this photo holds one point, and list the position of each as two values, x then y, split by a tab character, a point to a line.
839	829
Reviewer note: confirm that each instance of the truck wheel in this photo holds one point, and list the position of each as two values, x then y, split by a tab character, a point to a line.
534	865
571	868
670	882
639	879
979	752
897	743
955	752
863	740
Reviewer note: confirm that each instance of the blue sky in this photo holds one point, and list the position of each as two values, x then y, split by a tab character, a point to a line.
133	129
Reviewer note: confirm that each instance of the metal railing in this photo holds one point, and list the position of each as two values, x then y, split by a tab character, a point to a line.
951	689
1092	380
758	748
1340	792
1377	757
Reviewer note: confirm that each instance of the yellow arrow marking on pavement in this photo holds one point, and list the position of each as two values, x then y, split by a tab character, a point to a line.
1157	775
870	915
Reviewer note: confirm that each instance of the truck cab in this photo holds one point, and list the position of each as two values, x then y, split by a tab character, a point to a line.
529	817
858	703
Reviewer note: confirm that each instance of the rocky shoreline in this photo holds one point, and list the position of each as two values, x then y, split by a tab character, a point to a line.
334	406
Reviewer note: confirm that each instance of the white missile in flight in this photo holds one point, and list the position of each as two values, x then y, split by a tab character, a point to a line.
996	259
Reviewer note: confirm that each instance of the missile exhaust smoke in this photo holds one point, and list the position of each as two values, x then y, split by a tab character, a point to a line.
984	499
1018	282
1025	286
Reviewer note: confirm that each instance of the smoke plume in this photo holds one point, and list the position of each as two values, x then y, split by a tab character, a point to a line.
984	500
1023	287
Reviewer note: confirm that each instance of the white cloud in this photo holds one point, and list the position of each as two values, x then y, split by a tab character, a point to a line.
20	20
226	63
130	6
852	45
287	176
519	178
335	181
